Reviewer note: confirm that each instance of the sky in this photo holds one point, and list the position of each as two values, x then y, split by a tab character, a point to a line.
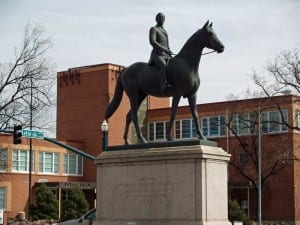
116	31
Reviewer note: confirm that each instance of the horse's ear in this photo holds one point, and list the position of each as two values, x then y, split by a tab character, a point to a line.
211	24
205	25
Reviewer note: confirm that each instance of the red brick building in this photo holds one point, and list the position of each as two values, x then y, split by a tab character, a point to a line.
82	96
279	147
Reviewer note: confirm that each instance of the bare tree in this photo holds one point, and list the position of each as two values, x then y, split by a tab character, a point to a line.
26	84
244	125
282	76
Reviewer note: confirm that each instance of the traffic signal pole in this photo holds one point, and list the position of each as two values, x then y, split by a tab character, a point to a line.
53	141
71	148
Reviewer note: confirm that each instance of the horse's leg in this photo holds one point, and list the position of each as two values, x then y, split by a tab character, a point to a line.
175	102
128	120
193	107
135	104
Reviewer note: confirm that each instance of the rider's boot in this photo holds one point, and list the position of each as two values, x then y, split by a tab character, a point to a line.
164	84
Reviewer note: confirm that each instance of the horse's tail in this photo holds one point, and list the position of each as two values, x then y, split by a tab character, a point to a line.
115	102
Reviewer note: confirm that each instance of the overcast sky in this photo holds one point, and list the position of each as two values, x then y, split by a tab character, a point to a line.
90	32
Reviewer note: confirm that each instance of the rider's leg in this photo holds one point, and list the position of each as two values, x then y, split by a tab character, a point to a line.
162	73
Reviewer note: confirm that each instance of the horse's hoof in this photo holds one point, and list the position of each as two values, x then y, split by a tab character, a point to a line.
142	140
202	138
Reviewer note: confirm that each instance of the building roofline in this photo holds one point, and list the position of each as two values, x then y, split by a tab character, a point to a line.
232	101
89	67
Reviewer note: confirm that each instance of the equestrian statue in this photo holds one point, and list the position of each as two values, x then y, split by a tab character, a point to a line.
164	76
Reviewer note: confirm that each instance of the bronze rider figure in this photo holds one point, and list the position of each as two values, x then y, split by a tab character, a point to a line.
161	52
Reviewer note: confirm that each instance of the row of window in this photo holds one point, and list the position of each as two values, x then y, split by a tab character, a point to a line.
215	126
48	162
2	197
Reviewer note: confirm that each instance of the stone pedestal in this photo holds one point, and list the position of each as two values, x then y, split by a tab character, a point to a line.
185	185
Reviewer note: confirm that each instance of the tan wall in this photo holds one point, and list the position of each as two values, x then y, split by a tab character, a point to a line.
17	184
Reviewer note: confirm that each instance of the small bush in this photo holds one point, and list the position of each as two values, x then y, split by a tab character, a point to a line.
46	206
236	213
75	206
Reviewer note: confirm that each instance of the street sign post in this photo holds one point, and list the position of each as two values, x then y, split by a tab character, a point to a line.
32	134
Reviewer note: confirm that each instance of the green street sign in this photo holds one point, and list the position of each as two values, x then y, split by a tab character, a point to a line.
32	134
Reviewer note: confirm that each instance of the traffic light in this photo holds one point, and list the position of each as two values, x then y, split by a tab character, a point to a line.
17	134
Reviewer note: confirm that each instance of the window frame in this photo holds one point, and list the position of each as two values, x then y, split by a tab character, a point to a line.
266	126
152	135
240	125
55	163
4	198
180	133
18	161
66	171
207	126
3	159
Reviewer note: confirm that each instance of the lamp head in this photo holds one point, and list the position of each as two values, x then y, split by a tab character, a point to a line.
104	126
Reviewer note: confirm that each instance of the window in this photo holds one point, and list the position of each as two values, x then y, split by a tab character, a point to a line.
48	162
214	126
272	121
241	124
73	164
3	192
185	129
21	160
3	159
157	131
243	158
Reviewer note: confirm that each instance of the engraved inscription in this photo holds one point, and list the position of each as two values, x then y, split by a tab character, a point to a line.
146	187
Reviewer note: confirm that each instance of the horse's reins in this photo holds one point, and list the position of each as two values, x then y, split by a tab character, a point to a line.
206	53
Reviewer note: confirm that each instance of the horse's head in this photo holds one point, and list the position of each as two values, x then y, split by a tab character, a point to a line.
212	41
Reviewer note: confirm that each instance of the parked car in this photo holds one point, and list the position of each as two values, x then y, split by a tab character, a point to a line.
86	219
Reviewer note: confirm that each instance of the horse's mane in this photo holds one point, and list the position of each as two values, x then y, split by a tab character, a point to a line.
187	45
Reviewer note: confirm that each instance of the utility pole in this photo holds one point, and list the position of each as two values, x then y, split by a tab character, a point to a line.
259	169
30	151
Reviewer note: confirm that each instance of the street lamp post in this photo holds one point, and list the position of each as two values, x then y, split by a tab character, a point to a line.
104	128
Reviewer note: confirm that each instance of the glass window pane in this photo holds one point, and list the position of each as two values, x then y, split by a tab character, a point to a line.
151	131
234	124
2	197
194	132
41	162
213	126
244	126
23	161
3	159
222	126
205	126
177	129
80	165
186	128
48	162
159	131
285	116
274	123
56	163
66	157
264	122
72	164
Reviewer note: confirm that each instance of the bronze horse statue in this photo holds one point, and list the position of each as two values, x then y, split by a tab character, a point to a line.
140	79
